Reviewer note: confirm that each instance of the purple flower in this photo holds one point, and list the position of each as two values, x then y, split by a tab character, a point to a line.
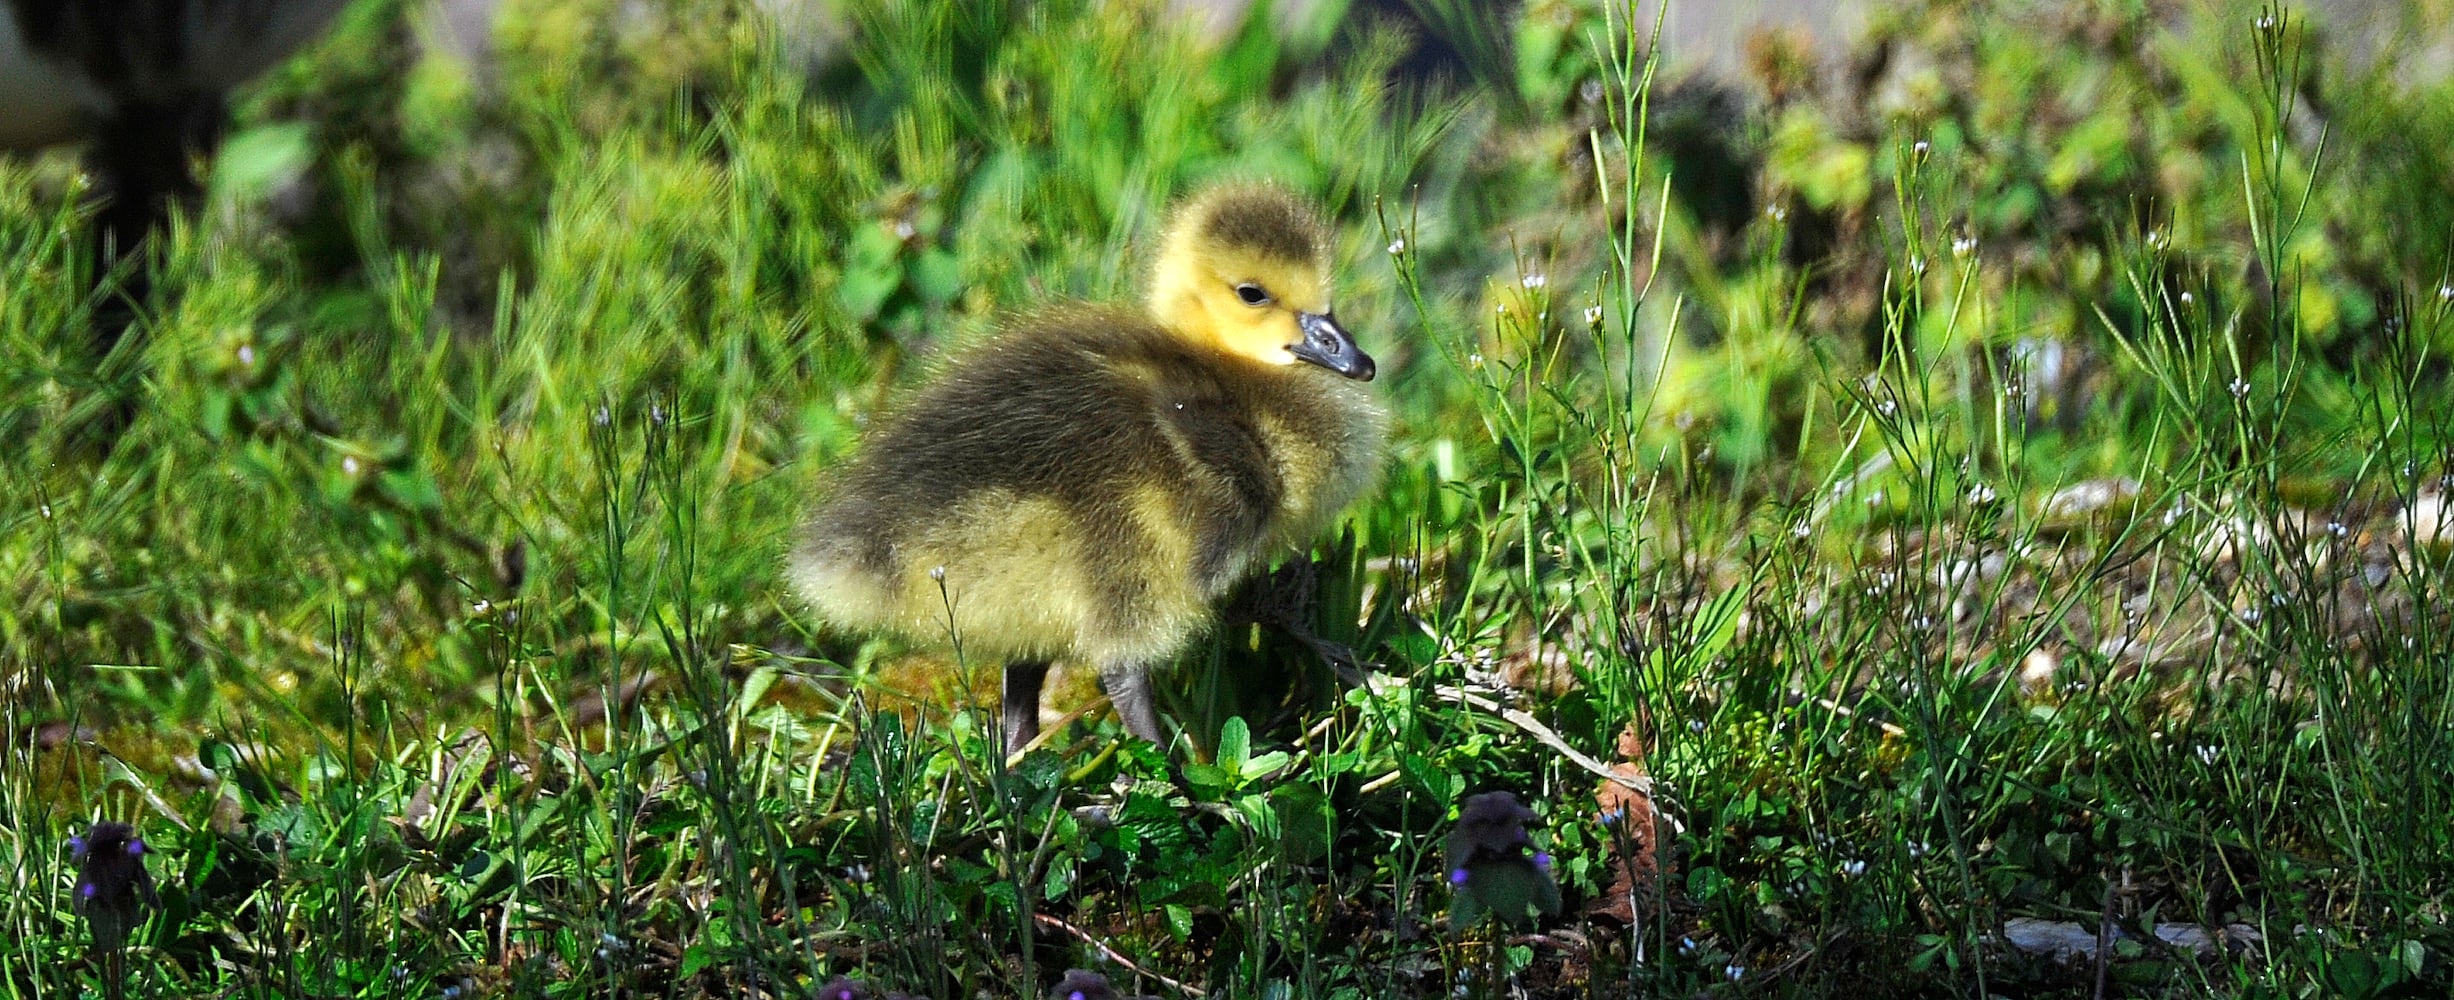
1083	984
842	988
1494	865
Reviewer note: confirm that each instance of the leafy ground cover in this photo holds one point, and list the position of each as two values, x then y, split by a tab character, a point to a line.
1971	524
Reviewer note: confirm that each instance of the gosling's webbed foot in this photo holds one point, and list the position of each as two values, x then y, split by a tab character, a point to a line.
1128	689
1021	712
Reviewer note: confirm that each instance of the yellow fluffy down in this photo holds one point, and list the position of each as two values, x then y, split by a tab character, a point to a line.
1085	485
1001	574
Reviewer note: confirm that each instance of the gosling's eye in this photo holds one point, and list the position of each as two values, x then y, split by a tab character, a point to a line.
1252	295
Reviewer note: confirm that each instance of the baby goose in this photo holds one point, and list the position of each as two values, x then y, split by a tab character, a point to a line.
1088	484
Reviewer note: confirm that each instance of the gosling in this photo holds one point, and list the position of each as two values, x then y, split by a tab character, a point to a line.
1087	485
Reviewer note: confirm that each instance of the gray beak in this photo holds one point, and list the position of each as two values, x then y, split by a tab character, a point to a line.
1328	345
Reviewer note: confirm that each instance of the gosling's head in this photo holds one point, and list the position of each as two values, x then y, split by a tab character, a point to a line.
1246	269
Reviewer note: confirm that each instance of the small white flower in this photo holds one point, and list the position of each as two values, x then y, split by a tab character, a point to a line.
2337	529
656	413
1917	265
349	464
1475	359
903	229
937	573
2252	615
1777	213
2445	293
1397	246
1981	494
2187	298
2206	754
1695	725
1735	971
2240	389
1853	868
1963	246
2266	22
1886	407
247	355
481	606
1593	315
604	416
1922	147
1535	280
2156	238
1921	623
1801	529
46	511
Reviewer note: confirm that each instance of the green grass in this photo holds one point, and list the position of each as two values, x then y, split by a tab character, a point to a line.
427	620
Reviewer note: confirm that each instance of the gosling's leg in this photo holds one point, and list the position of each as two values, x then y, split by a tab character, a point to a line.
1022	702
1128	689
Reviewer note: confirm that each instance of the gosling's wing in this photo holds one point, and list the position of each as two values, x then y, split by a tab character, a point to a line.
1227	481
1031	415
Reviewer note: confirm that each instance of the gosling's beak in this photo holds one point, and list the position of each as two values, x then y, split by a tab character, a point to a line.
1328	345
